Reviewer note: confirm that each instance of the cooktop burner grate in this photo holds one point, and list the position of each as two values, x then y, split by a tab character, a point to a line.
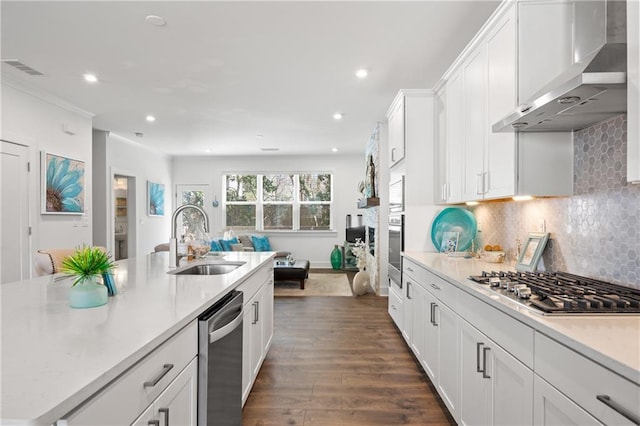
563	293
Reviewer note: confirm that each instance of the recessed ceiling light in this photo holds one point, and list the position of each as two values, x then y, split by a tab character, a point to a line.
91	78
337	116
155	20
362	73
150	118
334	149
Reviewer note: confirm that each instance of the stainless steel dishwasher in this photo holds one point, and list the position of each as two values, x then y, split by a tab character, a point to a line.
220	362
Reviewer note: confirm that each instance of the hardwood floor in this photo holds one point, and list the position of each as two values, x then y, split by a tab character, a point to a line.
340	361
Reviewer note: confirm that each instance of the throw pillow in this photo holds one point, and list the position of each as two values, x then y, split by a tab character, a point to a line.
237	247
226	244
261	243
246	241
215	246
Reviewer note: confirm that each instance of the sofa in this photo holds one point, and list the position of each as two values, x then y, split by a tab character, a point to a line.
245	242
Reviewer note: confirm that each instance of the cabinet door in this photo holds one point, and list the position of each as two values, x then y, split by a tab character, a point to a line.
455	159
448	356
500	153
409	290
474	122
551	407
267	316
430	352
440	106
256	334
545	43
247	329
633	91
177	405
511	388
474	388
396	307
419	320
396	133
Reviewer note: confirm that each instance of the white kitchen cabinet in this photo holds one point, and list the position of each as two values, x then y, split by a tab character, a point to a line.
608	397
142	387
257	325
396	119
633	91
545	43
552	408
495	388
177	405
452	146
448	384
396	306
414	314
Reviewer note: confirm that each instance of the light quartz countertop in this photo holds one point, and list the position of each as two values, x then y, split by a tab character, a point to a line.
610	340
54	357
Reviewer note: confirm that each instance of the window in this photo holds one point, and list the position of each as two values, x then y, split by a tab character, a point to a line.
278	201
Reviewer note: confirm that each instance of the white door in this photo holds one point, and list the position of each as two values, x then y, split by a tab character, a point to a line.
475	386
177	405
14	217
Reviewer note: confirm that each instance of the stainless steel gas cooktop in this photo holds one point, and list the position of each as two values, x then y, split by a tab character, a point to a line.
561	293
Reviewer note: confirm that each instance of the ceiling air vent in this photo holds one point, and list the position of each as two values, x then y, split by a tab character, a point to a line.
22	67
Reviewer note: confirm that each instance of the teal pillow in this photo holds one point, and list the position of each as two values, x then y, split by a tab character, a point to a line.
226	244
261	243
215	246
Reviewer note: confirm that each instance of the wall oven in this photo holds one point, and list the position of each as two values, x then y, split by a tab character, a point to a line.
396	247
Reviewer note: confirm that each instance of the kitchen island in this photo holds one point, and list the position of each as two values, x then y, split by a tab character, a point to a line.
54	357
496	361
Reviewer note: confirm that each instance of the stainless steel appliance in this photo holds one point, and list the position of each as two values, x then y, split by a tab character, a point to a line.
396	247
561	293
396	196
220	362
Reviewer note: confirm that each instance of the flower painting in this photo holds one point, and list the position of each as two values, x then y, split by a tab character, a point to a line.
62	185
155	192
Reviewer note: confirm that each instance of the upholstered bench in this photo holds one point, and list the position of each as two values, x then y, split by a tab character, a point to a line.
294	270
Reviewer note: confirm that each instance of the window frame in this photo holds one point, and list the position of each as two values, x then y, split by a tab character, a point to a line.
296	203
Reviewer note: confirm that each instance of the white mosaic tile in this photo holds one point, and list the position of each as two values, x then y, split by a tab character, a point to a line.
596	232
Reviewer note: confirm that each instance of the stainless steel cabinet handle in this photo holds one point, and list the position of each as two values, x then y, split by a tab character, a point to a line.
164	411
435	322
478	184
478	346
484	363
165	369
255	313
154	423
409	269
408	287
393	154
606	400
435	286
485	183
433	313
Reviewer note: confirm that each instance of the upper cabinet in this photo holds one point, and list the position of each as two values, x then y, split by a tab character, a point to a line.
476	163
633	91
396	131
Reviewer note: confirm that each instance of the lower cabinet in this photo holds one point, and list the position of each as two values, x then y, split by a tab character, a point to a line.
396	305
177	405
257	323
495	387
551	407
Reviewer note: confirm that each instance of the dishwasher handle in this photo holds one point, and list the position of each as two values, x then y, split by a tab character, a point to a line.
223	331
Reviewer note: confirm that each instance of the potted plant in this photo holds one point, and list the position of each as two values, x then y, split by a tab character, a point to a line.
87	265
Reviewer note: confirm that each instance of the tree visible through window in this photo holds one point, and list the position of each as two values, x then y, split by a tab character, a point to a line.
278	201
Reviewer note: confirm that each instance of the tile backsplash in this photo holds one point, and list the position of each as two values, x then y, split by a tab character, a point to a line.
596	232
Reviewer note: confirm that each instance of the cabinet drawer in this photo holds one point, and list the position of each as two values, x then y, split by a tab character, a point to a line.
446	292
514	336
130	394
252	284
395	307
582	380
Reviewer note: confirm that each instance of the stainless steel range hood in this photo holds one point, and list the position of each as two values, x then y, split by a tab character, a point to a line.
591	90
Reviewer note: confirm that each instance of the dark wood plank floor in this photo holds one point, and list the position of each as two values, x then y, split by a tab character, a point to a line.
340	361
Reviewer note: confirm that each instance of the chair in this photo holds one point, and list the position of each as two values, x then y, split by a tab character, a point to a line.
47	262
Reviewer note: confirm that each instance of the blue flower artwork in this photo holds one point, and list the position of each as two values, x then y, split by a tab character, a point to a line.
63	185
156	199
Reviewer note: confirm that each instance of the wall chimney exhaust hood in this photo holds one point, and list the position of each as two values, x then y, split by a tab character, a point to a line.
594	88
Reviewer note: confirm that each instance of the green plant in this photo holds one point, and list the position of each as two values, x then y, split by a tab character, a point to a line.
87	262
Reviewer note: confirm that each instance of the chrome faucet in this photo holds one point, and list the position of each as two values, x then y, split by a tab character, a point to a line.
174	258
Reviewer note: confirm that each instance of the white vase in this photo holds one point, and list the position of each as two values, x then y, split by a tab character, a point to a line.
87	294
361	283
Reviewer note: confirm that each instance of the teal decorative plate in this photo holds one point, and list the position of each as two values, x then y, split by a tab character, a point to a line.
454	219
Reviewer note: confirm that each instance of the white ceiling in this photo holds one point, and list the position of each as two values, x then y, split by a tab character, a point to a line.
221	73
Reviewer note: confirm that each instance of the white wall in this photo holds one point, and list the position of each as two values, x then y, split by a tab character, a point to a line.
36	120
347	171
125	157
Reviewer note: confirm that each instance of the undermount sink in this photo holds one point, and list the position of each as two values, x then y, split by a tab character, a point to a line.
207	268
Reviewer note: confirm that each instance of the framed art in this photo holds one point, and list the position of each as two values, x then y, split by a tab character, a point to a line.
532	251
155	198
449	241
62	187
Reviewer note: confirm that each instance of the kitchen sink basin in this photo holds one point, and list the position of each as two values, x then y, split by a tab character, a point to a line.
207	268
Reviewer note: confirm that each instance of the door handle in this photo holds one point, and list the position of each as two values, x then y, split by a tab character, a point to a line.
165	369
408	287
393	154
484	363
434	286
255	313
485	182
164	411
223	331
606	400
478	346
435	322
433	313
154	422
478	184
